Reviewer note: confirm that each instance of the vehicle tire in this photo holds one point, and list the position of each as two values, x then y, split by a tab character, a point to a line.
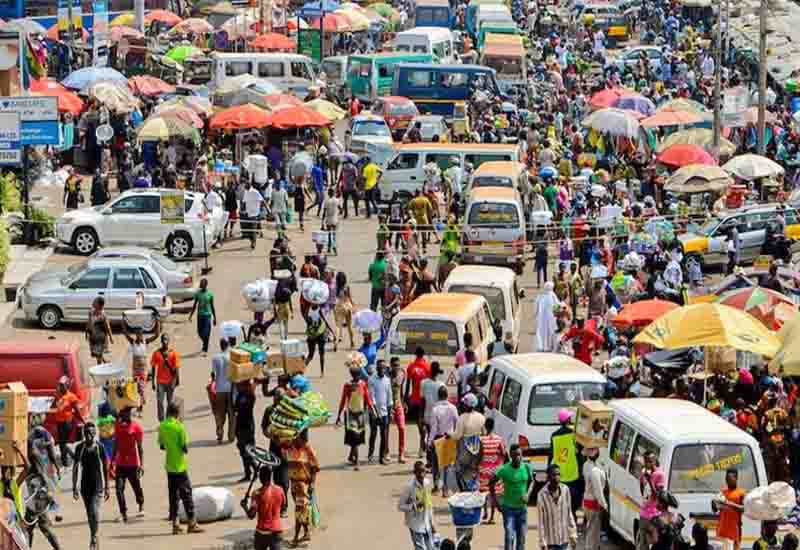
85	241
49	317
179	246
697	257
519	268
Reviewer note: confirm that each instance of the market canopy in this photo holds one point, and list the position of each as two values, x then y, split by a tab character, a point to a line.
116	97
751	167
193	25
683	155
147	85
26	25
242	117
123	20
182	113
80	79
710	325
242	25
315	9
682	104
698	178
162	16
642	313
242	81
281	101
327	109
614	122
761	303
697	136
787	360
298	116
68	102
673	118
200	105
273	41
358	20
637	103
604	98
158	128
53	34
332	22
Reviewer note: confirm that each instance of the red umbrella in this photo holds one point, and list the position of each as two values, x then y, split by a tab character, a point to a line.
52	34
673	118
641	314
149	86
273	41
163	16
241	117
281	101
682	154
608	97
68	101
299	116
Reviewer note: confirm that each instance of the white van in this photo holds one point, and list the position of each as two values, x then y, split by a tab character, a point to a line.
525	393
498	285
293	73
494	228
436	41
492	13
694	448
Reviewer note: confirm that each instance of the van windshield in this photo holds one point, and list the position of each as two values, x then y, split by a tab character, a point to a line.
435	337
548	399
493	295
700	468
496	214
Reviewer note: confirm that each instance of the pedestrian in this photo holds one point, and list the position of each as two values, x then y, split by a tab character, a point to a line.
493	456
546	325
66	409
91	463
343	310
398	376
429	389
206	313
355	403
376	274
266	504
299	193
127	461
467	434
173	440
563	451
137	349
416	502
380	391
231	207
371	173
318	178
223	392
165	363
730	509
252	201
303	469
595	504
330	218
42	457
651	482
348	176
37	507
279	204
557	530
541	264
98	330
517	479
245	421
317	329
443	421
10	486
417	371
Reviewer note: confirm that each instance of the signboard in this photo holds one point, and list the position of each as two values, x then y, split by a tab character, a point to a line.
100	33
309	43
63	18
10	139
39	116
172	206
734	106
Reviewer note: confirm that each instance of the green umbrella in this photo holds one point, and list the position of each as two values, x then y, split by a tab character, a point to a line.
180	53
383	9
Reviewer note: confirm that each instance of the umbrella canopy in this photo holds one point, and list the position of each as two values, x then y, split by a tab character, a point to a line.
751	116
242	117
68	102
123	20
149	86
240	26
273	41
672	118
358	20
180	53
327	109
242	97
299	116
162	16
698	178
52	34
29	26
48	86
615	122
80	79
683	155
235	83
282	101
751	167
641	314
682	104
697	136
315	9
710	325
637	103
222	8
787	360
122	31
116	97
383	9
200	105
159	128
758	302
332	22
604	98
192	25
182	113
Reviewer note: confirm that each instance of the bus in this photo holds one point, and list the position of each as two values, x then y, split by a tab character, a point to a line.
370	75
434	13
45	12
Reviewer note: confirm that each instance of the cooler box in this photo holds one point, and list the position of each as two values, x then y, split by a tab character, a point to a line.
13	399
257	355
239	355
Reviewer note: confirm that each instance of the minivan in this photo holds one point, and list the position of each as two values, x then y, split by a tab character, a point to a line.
494	228
293	73
436	41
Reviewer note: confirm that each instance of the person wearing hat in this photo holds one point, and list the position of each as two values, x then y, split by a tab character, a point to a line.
564	453
594	499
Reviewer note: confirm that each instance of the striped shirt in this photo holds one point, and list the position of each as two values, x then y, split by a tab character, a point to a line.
556	524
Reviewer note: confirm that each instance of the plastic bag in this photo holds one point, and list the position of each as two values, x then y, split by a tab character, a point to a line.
769	503
210	504
315	514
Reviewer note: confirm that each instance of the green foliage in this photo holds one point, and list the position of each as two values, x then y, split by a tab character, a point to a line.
10	199
44	223
5	247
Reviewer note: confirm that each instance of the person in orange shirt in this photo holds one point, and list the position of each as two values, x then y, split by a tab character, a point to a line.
164	365
66	408
730	510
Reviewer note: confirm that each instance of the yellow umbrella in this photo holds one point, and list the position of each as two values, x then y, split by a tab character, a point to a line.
158	128
328	109
123	20
710	325
787	361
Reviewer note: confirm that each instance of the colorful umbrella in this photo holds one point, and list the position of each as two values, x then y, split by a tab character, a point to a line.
180	53
682	104
149	86
327	109
242	117
757	301
182	113
222	8
383	9
52	34
787	360
281	101
641	314
115	96
80	79
683	155
698	178
193	25
163	16
120	32
697	136
358	20
710	325
673	118
604	98
615	122
293	23
124	19
297	117
68	102
273	41
200	105
159	128
637	103
752	167
333	22
48	86
242	97
240	26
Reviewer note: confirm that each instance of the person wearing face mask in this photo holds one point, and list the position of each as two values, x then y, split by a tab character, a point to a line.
317	329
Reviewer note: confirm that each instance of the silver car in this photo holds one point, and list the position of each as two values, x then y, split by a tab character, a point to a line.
56	296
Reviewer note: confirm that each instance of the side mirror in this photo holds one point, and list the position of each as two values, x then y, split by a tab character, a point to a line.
521	294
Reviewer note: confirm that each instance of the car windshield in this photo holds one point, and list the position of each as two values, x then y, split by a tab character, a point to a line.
708	227
402	109
371	128
548	399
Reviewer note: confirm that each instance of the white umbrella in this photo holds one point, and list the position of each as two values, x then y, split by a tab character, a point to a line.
615	122
751	167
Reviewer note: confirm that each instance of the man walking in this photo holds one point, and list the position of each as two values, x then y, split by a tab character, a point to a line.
266	504
223	403
66	409
173	440
372	174
90	457
380	389
164	364
416	501
376	272
517	480
557	528
594	500
252	201
128	460
347	186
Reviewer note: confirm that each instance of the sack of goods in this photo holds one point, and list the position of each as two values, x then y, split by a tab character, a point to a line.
123	393
314	290
210	504
138	318
232	329
259	294
317	408
319	237
771	503
289	418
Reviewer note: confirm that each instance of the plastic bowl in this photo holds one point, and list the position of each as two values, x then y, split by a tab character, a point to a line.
104	372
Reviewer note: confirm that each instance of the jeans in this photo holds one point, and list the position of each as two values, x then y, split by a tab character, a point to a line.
92	504
223	411
379	424
515	527
375	298
354	195
128	473
370	199
204	330
331	229
263	541
421	541
179	487
163	391
541	272
63	430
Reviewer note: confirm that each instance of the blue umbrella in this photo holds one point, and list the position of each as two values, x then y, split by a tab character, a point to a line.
315	9
87	76
636	103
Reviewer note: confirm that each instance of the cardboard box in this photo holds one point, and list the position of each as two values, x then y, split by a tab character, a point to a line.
274	360
14	428
240	372
239	356
592	424
13	399
294	364
8	456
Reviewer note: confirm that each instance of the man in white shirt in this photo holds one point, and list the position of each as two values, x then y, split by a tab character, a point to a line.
594	499
599	42
280	205
330	218
252	200
416	501
708	66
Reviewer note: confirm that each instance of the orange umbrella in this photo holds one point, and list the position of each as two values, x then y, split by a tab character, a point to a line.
641	314
334	22
298	116
46	85
163	16
149	86
52	34
273	41
672	118
120	32
241	117
281	101
68	101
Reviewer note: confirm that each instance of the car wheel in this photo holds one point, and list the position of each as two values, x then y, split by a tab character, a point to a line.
85	241
49	317
179	246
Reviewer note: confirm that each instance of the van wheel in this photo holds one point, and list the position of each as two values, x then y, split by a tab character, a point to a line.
49	317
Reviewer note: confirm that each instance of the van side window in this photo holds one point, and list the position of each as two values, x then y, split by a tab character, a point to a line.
476	159
419	79
299	70
270	69
509	405
642	446
404	161
236	68
487	313
498	378
386	70
621	444
442	160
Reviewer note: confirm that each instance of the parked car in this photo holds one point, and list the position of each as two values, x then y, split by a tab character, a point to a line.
433	125
134	218
52	298
397	111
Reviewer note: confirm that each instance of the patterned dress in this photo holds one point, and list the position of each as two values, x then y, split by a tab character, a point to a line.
494	456
303	464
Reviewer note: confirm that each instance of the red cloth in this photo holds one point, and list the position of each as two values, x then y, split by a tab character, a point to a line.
268	502
417	371
65	407
586	340
125	438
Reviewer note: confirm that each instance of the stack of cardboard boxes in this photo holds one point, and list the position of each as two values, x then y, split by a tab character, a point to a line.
289	359
13	422
241	367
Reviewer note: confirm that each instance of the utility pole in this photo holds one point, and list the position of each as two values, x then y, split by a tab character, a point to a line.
71	27
718	84
762	77
139	17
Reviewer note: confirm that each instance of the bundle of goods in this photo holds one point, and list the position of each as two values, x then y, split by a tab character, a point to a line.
258	295
465	508
367	320
13	423
210	504
289	418
294	354
242	367
314	290
257	353
771	503
644	243
317	408
138	318
123	393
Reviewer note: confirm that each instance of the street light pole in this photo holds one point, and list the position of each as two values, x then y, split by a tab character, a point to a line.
718	85
762	77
